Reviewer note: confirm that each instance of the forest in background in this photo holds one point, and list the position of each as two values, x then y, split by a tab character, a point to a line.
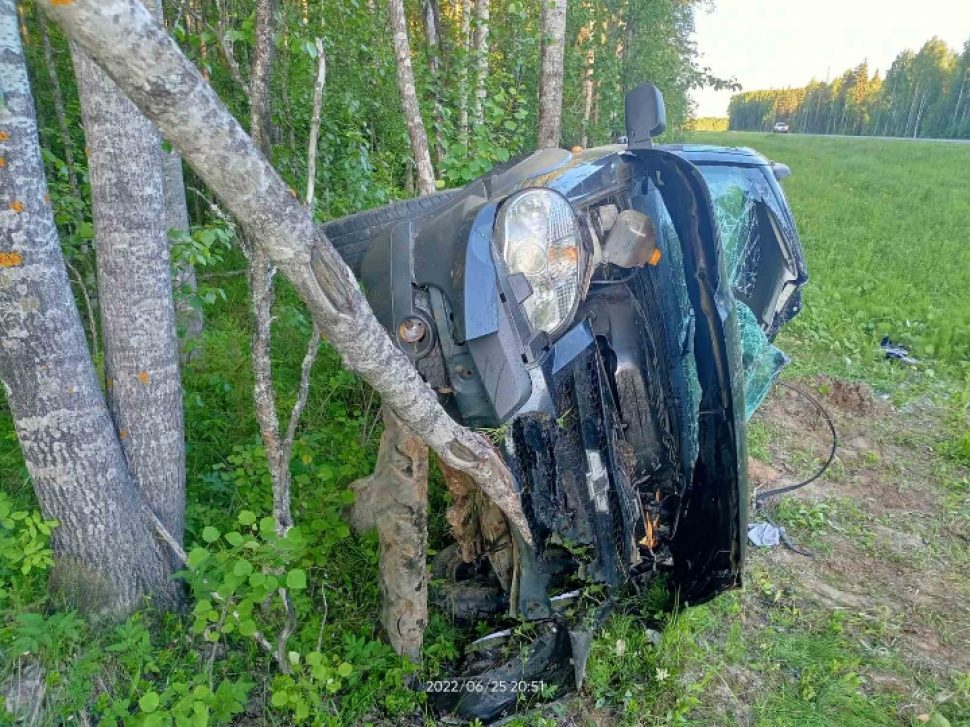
476	81
924	94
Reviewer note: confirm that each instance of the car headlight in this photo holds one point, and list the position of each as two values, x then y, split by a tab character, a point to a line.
538	236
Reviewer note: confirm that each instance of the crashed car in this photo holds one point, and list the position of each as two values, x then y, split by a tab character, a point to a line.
607	314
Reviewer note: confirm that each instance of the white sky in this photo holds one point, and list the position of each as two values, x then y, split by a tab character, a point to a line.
781	43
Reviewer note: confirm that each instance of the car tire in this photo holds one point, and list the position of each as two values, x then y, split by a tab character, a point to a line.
352	235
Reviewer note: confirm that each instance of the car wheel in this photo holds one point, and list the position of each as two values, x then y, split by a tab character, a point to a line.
352	235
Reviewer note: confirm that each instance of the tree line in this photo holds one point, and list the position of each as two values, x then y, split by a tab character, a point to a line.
924	94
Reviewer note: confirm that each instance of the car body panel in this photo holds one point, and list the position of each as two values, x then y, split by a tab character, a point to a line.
491	369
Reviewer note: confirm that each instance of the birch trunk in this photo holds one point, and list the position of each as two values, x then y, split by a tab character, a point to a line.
188	317
463	91
409	98
311	164
261	273
432	29
589	87
167	87
481	60
135	290
107	557
553	33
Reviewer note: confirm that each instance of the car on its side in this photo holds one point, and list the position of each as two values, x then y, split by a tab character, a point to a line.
606	314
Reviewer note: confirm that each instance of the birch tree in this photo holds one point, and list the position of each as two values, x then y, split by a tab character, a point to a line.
137	53
141	357
107	556
552	46
409	97
481	60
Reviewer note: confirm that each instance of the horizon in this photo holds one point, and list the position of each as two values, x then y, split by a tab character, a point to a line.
832	37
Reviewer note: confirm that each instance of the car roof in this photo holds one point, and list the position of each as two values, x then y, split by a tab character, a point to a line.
708	154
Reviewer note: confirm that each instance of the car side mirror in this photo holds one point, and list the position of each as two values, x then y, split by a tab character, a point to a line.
646	116
780	170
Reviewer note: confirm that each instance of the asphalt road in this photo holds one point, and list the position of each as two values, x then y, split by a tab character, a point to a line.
879	138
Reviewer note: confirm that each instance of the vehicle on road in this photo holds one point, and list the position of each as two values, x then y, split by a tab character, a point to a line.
607	315
780	127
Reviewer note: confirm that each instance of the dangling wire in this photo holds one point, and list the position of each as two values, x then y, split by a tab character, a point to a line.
760	498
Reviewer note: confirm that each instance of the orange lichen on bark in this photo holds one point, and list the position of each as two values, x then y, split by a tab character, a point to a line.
122	434
4	136
10	259
143	377
3	162
17	206
61	2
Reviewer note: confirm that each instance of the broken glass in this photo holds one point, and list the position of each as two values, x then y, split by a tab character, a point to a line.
736	192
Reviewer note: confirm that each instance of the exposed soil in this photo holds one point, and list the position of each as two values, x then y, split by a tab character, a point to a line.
895	551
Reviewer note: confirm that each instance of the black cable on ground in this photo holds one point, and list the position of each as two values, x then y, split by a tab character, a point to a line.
760	498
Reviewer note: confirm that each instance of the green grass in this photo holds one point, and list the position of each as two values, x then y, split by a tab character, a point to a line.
886	231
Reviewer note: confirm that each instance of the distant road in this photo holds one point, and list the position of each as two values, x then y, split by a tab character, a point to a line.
847	136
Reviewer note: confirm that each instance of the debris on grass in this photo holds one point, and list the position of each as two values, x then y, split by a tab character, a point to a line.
896	352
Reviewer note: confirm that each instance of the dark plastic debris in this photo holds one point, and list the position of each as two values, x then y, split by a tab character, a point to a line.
896	352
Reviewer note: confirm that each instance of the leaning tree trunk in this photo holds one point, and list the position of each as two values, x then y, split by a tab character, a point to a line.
141	355
107	557
409	97
553	32
165	85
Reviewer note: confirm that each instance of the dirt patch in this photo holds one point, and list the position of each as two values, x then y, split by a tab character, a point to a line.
888	561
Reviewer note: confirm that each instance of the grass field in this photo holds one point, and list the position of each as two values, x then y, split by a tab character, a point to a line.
873	630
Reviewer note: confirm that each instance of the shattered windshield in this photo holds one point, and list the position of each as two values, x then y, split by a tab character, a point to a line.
735	193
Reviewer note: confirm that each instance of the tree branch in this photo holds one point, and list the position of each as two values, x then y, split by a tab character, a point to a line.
147	64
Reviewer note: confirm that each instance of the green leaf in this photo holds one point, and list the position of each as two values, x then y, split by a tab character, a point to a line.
345	669
242	568
247	627
196	557
267	526
149	702
296	579
210	534
247	517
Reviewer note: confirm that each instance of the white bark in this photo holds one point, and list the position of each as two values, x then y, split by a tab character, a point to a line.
466	45
135	291
409	97
481	60
432	29
589	86
107	557
311	155
553	32
147	64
